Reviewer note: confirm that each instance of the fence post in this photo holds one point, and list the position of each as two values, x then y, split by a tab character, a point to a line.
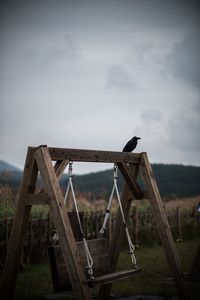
96	224
178	224
31	238
7	233
135	225
109	228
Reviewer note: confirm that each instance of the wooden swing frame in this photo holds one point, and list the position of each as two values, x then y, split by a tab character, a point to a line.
39	159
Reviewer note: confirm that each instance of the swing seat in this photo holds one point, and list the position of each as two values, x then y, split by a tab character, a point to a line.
107	278
101	265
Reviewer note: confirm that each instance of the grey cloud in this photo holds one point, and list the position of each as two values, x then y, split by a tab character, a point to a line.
151	115
36	57
73	55
118	77
184	61
63	48
184	130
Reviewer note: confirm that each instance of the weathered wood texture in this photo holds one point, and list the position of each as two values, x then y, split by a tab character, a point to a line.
163	228
130	179
99	252
62	224
129	164
60	167
36	199
19	228
108	278
93	155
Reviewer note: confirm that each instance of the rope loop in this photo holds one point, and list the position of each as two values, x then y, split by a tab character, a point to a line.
115	172
87	251
106	217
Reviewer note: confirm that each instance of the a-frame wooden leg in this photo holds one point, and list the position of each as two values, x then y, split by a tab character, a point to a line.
118	232
163	228
19	228
62	224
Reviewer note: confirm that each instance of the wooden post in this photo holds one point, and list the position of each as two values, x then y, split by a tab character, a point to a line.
195	269
163	228
135	225
19	228
62	224
178	224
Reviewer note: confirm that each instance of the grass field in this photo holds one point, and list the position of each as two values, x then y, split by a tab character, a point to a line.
35	281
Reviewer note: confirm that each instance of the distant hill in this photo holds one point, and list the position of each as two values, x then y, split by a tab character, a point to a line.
9	174
4	166
173	180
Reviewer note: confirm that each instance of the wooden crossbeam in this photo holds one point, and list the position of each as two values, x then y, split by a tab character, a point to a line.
36	199
93	155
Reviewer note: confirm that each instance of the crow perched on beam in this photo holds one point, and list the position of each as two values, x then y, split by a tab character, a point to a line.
130	146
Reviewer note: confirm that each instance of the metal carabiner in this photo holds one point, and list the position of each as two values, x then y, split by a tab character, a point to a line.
70	169
115	169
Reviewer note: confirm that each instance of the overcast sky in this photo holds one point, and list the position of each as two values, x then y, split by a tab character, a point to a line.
92	74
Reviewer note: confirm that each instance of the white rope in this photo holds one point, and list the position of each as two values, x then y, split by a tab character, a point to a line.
67	191
89	259
131	246
87	252
103	228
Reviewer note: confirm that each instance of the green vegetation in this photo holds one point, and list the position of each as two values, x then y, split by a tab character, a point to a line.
35	281
172	180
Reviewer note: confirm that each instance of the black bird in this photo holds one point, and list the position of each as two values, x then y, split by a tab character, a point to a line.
130	146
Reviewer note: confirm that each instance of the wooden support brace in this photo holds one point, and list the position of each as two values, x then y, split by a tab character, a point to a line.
60	167
36	199
130	179
195	269
163	228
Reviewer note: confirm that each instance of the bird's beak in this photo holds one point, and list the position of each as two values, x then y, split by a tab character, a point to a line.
138	138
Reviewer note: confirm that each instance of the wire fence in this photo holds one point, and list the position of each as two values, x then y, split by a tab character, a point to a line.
184	224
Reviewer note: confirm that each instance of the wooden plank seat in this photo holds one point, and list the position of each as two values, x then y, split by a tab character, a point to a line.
101	265
107	278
